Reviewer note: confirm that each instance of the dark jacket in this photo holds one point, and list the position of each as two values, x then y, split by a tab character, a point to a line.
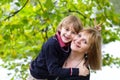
49	62
75	78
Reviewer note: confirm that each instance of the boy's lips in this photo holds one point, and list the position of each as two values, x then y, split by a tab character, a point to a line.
67	38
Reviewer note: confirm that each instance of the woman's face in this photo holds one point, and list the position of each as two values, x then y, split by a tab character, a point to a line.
80	42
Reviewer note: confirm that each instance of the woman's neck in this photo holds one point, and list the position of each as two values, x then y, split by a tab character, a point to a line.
76	56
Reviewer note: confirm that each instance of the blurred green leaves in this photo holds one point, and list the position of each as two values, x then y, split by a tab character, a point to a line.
26	25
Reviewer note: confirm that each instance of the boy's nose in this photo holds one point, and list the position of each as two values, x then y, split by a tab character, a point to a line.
69	33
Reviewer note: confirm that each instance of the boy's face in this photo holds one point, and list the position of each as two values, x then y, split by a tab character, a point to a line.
67	33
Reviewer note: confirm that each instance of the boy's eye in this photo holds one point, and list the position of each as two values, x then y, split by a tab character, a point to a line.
74	33
67	29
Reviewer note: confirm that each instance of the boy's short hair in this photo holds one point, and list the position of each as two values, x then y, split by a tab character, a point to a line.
71	20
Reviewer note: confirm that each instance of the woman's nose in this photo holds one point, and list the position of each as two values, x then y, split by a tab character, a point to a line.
78	40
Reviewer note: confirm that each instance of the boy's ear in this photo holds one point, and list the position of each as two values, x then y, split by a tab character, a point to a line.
59	29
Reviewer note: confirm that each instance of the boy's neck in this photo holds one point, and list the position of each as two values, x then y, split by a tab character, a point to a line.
62	44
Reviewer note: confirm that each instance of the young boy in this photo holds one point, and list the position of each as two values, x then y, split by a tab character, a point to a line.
48	64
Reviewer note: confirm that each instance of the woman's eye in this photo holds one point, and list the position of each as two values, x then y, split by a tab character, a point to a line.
85	42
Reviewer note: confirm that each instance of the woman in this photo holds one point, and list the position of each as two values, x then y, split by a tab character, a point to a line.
86	52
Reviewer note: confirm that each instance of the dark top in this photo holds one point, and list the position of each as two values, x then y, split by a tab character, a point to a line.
75	78
48	63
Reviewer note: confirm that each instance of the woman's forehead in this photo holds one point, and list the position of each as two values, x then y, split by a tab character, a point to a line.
85	35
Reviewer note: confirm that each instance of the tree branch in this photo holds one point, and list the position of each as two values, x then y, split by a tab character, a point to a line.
13	14
78	13
41	5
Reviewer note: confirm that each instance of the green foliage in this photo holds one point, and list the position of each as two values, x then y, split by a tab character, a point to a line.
19	66
110	60
26	24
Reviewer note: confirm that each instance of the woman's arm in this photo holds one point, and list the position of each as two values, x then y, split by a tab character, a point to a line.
83	70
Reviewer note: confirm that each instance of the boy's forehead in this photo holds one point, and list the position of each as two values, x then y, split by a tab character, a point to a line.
71	27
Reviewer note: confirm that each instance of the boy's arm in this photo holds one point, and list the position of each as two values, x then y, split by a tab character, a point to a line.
53	66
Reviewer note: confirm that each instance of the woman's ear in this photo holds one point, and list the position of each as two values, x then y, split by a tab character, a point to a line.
86	55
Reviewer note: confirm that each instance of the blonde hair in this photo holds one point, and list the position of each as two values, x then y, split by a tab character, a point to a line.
94	52
73	20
